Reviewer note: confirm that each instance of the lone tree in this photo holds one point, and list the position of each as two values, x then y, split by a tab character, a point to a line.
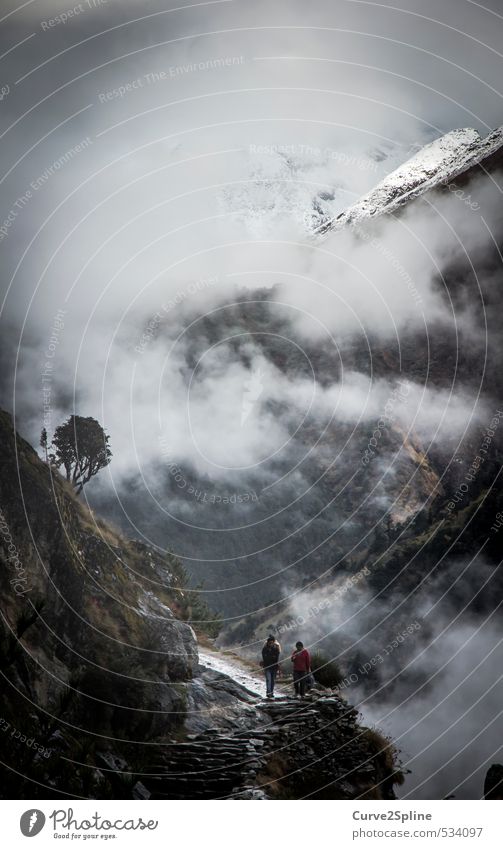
81	447
43	443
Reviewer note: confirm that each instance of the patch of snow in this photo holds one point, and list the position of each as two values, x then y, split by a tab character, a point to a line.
219	663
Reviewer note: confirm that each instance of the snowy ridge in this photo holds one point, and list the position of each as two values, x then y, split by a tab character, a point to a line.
433	165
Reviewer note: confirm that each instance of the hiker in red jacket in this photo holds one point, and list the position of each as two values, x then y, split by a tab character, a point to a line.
301	660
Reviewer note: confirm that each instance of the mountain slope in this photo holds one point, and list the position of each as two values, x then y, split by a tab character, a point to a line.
104	695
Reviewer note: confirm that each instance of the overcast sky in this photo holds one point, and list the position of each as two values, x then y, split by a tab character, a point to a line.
175	108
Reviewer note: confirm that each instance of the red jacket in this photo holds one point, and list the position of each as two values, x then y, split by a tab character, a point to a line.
301	661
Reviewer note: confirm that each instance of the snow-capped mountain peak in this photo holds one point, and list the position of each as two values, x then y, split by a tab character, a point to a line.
435	163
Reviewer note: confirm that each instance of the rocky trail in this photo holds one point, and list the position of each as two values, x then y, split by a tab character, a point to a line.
283	748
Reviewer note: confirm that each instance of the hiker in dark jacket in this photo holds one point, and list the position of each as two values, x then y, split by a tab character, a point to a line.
301	660
270	663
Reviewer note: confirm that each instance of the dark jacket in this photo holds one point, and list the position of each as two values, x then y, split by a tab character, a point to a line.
270	655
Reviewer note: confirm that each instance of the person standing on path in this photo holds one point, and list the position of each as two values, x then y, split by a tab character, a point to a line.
270	663
301	660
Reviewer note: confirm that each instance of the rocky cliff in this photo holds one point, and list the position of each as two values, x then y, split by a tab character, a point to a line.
103	692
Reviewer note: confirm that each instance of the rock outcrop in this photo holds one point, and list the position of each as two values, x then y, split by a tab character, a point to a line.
85	612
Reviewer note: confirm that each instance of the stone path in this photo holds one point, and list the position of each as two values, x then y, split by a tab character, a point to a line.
286	748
